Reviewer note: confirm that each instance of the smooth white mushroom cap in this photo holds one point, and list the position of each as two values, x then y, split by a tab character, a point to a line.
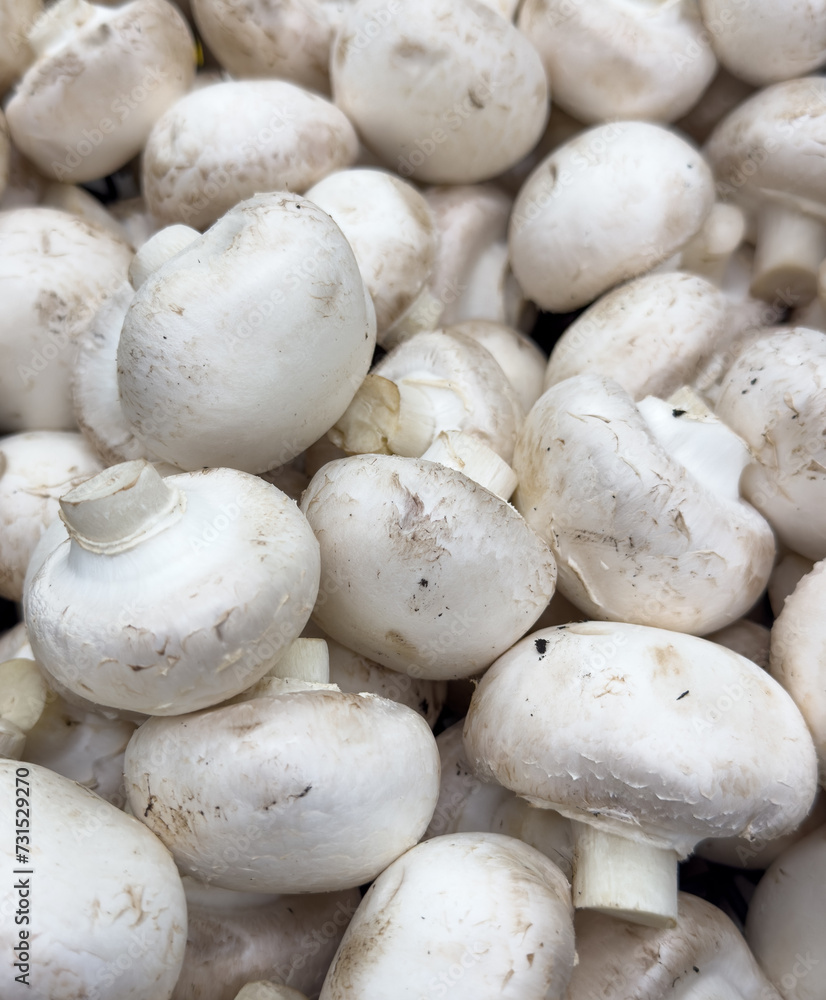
640	534
476	913
86	106
113	891
651	335
673	739
254	372
391	230
784	926
185	614
572	234
288	39
774	396
55	272
798	654
704	956
229	141
327	788
481	97
415	578
235	937
35	470
610	59
762	42
16	19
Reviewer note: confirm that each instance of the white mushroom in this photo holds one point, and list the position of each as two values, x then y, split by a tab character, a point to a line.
35	470
423	570
312	791
114	923
164	596
236	937
610	59
571	235
23	695
651	335
787	573
229	141
17	18
703	956
254	372
651	741
55	272
640	505
774	396
103	75
481	97
762	42
767	154
721	96
472	914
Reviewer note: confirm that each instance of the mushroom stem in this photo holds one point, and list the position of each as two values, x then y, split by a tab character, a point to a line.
698	440
623	878
58	24
709	252
304	660
158	249
790	248
473	458
121	507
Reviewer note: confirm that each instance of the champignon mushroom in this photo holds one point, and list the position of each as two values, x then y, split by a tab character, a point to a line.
787	573
415	559
17	17
571	236
609	60
310	791
114	923
35	470
227	142
475	914
641	507
166	595
673	739
773	396
288	318
481	93
23	695
103	75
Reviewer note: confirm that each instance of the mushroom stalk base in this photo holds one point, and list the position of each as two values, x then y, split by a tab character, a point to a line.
624	879
790	248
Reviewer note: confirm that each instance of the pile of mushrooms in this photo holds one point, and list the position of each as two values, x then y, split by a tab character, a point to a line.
412	498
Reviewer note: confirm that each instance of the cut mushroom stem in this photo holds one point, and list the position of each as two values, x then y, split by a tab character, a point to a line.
696	438
117	509
790	248
469	455
623	878
158	249
305	660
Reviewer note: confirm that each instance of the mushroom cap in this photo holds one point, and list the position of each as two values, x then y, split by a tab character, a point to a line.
481	97
55	271
770	147
191	615
16	18
764	43
478	913
226	142
415	561
774	396
113	892
673	739
234	938
392	232
572	236
636	535
651	335
314	791
610	59
35	470
784	926
747	638
798	654
254	372
84	109
704	955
